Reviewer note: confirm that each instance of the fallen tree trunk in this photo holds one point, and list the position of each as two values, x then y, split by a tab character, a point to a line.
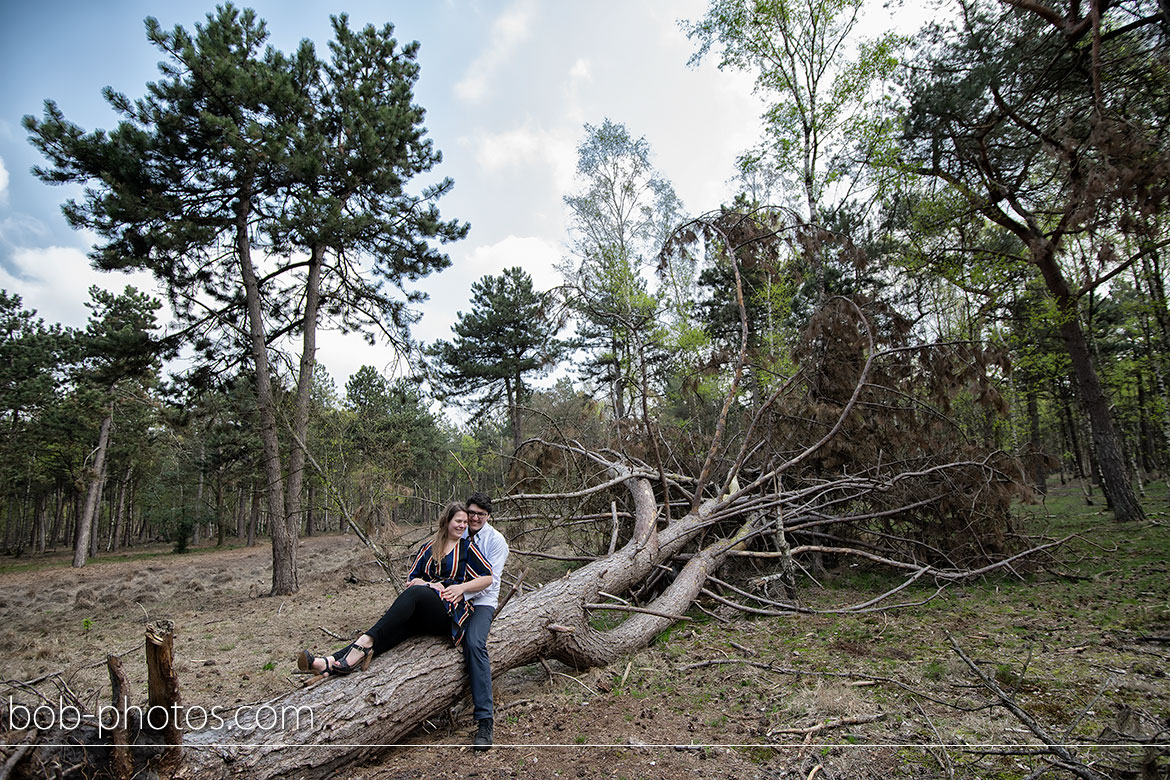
315	732
364	714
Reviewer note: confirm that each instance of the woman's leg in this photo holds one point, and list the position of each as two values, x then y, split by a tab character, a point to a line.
418	610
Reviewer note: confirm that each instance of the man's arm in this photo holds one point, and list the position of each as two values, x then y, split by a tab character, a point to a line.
496	551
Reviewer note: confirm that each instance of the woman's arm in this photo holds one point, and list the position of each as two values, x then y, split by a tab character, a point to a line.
453	593
418	571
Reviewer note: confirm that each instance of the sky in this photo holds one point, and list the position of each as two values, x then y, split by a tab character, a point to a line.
507	87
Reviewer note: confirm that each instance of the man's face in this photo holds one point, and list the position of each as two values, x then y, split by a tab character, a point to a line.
476	517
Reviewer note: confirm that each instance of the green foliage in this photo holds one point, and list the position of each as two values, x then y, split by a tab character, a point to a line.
301	144
393	426
181	530
823	89
618	222
240	149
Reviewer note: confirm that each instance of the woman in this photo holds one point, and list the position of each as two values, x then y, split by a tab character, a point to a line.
445	570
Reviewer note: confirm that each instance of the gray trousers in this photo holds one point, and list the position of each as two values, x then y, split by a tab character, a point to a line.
479	667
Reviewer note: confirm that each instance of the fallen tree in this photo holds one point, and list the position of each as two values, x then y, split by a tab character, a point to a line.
773	499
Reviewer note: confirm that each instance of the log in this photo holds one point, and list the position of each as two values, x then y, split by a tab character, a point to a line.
364	715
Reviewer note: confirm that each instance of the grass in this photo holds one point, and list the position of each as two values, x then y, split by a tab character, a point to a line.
1059	632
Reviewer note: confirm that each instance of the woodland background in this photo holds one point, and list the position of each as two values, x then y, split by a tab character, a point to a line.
939	292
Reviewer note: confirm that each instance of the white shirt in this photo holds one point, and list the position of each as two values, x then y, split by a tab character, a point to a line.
494	547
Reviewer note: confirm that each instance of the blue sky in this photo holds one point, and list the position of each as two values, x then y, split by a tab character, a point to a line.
507	87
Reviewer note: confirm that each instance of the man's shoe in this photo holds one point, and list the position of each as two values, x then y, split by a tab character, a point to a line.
483	735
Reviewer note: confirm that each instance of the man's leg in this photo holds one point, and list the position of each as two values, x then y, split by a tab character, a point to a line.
479	672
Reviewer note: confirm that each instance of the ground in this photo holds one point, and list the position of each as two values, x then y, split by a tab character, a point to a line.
1080	639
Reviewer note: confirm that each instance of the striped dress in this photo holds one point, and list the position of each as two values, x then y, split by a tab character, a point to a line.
463	564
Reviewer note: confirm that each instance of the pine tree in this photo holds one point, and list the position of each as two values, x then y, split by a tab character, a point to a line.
509	333
236	162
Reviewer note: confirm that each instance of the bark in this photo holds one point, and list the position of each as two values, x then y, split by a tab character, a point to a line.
120	510
512	393
219	507
241	512
85	520
58	516
253	516
1039	469
1109	457
95	532
42	511
163	689
121	761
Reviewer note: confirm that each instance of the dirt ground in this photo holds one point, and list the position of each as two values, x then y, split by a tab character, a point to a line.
1081	643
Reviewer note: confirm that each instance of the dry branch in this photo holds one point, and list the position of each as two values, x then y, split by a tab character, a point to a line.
1067	759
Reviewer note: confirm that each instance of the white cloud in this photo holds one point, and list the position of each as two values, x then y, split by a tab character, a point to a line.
581	71
450	291
3	182
508	31
343	354
535	255
55	281
526	147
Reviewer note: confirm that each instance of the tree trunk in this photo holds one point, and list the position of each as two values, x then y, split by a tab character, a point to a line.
85	520
512	393
119	511
1039	471
284	538
1110	457
42	521
253	516
241	512
219	507
58	517
163	691
421	678
300	425
309	505
195	526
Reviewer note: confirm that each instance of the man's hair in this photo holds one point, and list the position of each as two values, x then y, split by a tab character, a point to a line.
480	499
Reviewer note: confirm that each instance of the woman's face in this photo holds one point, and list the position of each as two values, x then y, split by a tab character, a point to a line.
457	525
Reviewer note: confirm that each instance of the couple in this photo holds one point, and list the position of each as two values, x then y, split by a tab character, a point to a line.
452	590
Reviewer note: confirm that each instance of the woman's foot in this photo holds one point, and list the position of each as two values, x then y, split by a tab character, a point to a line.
344	661
352	656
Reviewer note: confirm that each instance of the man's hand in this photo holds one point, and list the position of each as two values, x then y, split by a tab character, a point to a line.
452	593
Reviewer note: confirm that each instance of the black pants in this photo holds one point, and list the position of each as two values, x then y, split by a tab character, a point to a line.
418	610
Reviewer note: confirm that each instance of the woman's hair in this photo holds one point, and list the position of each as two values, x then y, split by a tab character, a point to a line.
441	534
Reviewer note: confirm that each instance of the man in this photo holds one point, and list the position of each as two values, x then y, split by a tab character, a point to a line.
495	548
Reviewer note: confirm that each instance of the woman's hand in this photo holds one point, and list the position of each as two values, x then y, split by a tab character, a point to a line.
452	593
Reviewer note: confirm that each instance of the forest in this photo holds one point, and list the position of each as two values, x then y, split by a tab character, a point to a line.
938	296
